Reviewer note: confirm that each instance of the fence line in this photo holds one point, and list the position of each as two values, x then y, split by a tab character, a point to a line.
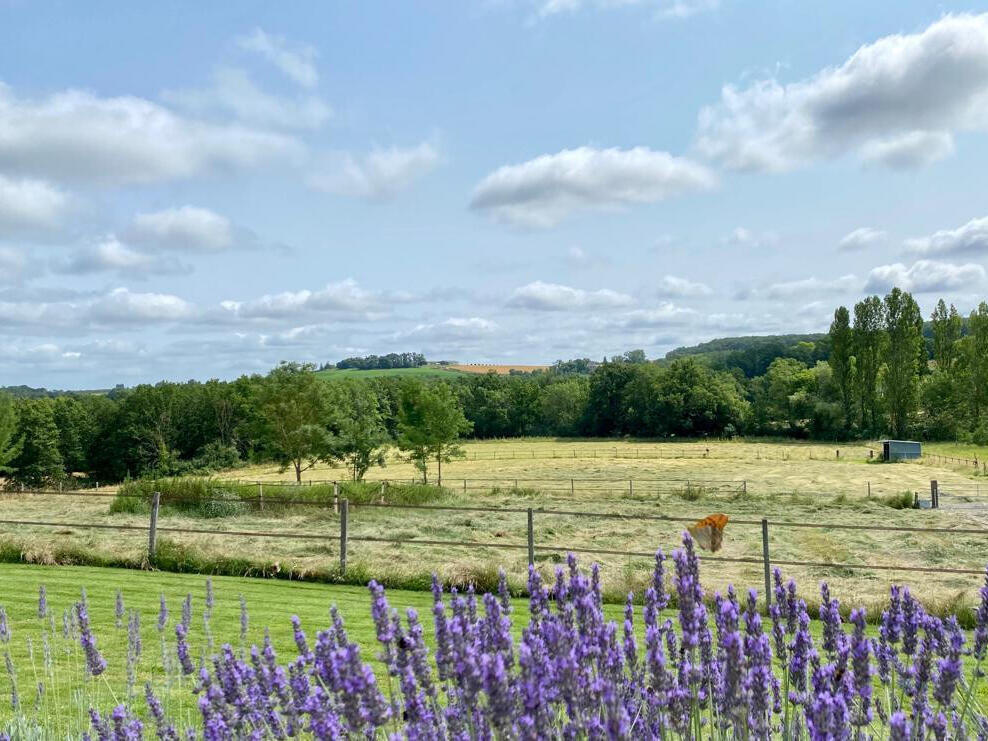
936	458
531	546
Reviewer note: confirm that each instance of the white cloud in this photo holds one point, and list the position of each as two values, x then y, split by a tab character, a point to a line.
121	306
743	237
344	297
925	276
377	175
454	328
861	238
183	228
909	150
661	8
233	91
807	286
75	135
897	98
118	307
970	238
113	255
543	191
296	61
30	205
663	315
542	296
672	287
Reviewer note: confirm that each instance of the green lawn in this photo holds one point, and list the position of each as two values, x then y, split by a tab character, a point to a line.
271	604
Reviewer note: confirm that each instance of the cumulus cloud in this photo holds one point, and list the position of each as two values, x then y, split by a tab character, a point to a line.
806	286
28	205
182	228
75	135
540	296
378	175
657	317
970	238
13	265
543	191
296	61
118	307
121	306
897	99
861	238
454	328
344	297
909	150
742	237
925	276
234	92
112	255
672	287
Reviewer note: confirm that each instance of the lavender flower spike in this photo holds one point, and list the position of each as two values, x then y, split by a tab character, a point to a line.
95	663
119	610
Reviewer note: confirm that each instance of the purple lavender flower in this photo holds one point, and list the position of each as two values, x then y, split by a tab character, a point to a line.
182	648
119	610
861	663
981	622
899	727
42	602
210	598
162	614
187	611
244	619
95	663
164	730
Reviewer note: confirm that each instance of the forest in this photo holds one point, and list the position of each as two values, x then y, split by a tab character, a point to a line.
880	370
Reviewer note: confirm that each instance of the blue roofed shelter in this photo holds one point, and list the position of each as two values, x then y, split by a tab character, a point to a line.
901	450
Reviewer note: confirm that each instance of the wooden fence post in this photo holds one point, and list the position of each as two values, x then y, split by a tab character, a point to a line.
934	495
343	524
768	568
153	525
631	488
383	488
572	487
336	497
260	496
531	538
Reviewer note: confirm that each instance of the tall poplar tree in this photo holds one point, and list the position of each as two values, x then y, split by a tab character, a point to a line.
841	354
902	352
868	339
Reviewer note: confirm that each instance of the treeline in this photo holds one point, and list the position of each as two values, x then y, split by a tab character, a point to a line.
881	370
381	362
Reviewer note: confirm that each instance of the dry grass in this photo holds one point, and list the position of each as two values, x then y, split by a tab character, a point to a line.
786	483
501	370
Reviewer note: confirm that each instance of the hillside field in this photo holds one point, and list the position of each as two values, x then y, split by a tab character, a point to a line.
784	483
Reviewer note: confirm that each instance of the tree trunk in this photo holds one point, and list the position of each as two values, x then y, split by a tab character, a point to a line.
298	472
439	475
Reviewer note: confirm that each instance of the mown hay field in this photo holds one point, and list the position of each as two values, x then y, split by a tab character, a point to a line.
786	484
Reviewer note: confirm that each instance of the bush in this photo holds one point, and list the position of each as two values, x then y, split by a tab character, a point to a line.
209	498
902	500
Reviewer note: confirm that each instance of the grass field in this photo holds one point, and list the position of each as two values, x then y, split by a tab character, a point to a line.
425	371
785	483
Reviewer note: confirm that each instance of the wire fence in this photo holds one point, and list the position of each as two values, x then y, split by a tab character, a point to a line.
345	539
951	460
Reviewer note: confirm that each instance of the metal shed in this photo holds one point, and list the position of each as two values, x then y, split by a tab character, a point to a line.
901	450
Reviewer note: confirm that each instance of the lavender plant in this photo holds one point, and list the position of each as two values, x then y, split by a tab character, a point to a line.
713	670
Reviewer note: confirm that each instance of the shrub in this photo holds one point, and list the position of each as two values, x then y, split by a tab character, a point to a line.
902	500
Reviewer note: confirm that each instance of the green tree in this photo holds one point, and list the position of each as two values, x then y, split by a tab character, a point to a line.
361	438
38	463
562	405
976	360
430	425
695	401
869	340
904	327
10	444
841	353
295	414
946	332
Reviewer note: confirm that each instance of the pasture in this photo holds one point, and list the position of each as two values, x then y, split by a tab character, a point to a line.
785	483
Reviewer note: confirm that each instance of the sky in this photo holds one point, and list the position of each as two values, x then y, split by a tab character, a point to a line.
202	190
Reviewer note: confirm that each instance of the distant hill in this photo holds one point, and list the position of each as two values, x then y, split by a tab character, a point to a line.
753	355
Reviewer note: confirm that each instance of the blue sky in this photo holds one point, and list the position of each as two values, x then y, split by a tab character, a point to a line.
195	190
